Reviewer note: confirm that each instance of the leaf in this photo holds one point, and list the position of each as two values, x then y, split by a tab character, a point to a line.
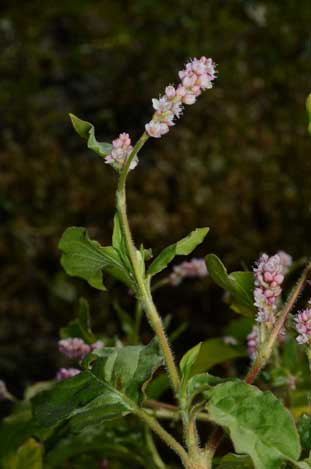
308	107
304	430
29	456
113	387
200	384
121	440
257	422
235	461
80	327
87	259
207	354
240	285
86	130
182	248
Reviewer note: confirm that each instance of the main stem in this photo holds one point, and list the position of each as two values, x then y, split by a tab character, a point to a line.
142	286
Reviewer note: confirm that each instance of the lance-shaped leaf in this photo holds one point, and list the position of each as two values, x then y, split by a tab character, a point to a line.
113	387
240	285
205	355
81	326
86	130
182	248
257	422
85	258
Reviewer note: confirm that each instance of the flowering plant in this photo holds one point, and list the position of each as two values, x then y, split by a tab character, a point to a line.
106	407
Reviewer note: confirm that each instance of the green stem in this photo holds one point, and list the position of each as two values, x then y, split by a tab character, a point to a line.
143	288
165	436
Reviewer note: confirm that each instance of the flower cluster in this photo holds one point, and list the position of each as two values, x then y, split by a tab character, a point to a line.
76	349
193	268
303	326
121	149
197	76
252	342
65	373
269	275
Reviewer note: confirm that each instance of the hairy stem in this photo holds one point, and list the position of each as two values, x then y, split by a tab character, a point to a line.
165	436
143	289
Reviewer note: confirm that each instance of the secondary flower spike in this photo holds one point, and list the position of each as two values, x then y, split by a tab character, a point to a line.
197	76
65	373
269	275
303	326
74	348
121	149
188	269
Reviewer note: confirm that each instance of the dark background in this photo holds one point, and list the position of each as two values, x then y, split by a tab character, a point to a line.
238	161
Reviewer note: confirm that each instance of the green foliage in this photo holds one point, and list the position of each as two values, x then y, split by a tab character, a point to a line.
80	327
87	131
181	248
207	354
240	285
235	461
29	456
304	429
111	388
87	259
257	422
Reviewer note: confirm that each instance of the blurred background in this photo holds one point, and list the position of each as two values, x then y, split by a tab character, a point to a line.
238	161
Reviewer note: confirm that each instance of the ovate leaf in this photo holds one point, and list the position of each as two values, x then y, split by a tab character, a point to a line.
257	422
86	130
235	461
182	248
240	285
113	387
85	258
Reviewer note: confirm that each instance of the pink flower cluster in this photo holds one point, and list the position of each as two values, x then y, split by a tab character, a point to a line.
65	373
76	349
197	76
121	148
303	326
188	269
269	275
252	342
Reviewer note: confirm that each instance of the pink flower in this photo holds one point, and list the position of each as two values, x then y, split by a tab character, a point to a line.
65	373
156	129
269	275
197	76
121	149
73	348
252	342
97	345
188	269
303	326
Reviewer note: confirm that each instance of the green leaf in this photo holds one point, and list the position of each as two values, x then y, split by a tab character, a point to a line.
87	259
80	327
182	248
207	354
86	130
235	461
308	107
257	422
200	384
113	387
240	285
121	440
29	456
304	429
